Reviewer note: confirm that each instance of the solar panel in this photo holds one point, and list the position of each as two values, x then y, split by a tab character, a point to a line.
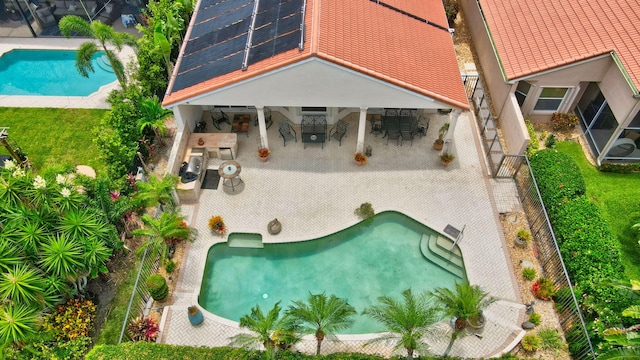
218	39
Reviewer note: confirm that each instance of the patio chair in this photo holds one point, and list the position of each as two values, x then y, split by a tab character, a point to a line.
339	131
393	133
287	132
219	118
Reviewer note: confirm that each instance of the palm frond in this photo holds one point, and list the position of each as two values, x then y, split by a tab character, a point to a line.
84	58
62	257
17	322
22	285
71	24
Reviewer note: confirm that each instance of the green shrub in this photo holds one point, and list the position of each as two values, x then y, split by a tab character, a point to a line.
170	266
44	348
365	211
551	142
534	144
529	273
558	177
550	339
563	121
157	286
451	9
530	342
619	168
535	318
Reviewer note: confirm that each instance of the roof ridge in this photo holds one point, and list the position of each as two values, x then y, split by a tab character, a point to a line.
416	17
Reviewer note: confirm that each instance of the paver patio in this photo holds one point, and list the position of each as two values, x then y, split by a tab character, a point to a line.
313	192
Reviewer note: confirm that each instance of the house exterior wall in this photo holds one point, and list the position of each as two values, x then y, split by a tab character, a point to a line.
316	83
492	78
615	89
514	130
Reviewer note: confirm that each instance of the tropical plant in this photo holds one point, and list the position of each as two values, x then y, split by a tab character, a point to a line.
467	301
551	141
216	224
157	191
107	38
444	129
161	231
263	328
408	322
524	235
447	157
17	321
563	121
627	340
535	318
364	211
153	116
529	273
142	329
543	288
71	320
550	339
322	316
530	342
22	285
62	257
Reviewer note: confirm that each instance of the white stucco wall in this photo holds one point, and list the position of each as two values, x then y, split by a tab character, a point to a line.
316	82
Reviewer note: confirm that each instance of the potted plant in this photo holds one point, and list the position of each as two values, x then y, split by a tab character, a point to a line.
439	143
216	224
195	315
523	237
360	158
264	153
465	305
446	157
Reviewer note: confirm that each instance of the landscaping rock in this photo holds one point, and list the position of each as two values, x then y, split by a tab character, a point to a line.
527	325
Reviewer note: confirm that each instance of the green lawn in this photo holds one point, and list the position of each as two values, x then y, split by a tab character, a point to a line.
54	136
618	197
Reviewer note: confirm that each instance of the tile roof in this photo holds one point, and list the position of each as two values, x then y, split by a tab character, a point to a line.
533	36
369	38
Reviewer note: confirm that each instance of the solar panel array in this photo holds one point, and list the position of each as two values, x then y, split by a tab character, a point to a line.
218	39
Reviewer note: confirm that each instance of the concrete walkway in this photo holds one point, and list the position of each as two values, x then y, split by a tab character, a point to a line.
313	192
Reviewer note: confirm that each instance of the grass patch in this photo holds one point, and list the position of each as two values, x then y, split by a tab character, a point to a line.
112	326
618	197
55	136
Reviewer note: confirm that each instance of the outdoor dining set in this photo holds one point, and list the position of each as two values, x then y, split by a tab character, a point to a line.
399	124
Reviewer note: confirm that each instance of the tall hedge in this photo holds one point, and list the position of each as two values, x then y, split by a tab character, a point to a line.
589	250
558	177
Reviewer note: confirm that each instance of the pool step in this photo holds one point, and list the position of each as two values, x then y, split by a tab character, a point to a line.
245	243
435	248
104	64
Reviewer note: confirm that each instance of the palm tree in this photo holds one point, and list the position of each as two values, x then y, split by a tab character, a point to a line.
157	191
153	115
408	322
105	35
322	316
263	328
467	301
161	230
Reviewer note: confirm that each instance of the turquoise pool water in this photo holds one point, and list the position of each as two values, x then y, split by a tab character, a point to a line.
48	73
378	257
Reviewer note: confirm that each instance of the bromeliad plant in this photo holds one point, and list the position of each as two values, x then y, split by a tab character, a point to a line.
543	289
143	329
216	224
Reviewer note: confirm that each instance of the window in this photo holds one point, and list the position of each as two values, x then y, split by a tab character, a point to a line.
522	91
314	109
550	99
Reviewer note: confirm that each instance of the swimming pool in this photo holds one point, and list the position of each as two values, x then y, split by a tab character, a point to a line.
48	73
381	256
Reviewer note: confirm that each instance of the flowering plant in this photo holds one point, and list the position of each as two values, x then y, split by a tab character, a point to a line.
264	152
360	157
143	329
543	289
216	224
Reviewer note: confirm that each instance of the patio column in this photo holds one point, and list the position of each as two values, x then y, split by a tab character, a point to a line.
362	125
453	120
262	127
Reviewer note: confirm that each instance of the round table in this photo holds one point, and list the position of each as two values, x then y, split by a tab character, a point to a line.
229	171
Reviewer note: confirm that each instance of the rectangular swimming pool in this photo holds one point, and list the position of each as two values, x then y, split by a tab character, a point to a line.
50	73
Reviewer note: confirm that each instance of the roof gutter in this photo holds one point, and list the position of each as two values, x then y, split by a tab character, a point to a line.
493	44
625	74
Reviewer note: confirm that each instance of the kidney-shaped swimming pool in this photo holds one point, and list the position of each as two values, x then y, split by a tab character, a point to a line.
376	257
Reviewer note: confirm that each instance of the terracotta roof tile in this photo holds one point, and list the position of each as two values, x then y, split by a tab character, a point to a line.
533	36
371	39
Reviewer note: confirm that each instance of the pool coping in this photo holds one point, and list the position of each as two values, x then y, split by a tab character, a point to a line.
96	100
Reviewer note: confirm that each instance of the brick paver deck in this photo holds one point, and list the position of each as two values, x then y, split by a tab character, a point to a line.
313	192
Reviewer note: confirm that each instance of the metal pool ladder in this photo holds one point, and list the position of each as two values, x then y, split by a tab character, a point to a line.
455	234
